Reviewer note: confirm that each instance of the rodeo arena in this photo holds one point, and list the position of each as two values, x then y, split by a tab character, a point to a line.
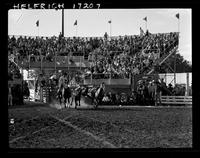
97	92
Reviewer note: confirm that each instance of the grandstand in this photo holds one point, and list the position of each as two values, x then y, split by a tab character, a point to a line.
114	61
137	53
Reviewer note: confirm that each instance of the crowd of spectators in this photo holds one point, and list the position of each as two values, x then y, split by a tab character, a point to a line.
130	54
117	55
13	71
51	79
141	95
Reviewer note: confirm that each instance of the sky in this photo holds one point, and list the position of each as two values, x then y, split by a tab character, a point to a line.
94	23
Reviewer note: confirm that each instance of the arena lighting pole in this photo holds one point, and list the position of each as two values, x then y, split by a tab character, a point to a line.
22	85
145	19
41	60
178	17
29	63
76	30
68	61
146	25
110	29
55	58
110	21
80	62
62	22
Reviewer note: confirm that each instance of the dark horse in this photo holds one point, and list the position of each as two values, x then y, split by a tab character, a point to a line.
64	92
67	95
60	95
77	96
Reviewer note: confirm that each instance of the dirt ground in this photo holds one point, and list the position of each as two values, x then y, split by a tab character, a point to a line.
37	125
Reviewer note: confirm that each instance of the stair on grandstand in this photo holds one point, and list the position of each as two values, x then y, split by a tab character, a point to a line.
161	60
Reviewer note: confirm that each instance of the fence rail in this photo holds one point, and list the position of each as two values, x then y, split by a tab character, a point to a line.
184	100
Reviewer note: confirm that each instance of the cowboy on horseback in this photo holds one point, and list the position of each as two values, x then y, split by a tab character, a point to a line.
67	95
62	85
77	96
75	90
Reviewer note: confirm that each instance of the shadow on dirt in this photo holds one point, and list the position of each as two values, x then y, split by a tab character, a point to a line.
108	109
29	104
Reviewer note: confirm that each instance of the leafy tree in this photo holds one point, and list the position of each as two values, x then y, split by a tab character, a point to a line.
182	65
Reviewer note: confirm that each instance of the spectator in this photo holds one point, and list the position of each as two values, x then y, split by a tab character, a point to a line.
122	55
10	96
170	88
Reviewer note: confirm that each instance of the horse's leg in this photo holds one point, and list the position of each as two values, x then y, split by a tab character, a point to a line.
71	99
60	100
65	101
92	102
147	99
68	102
159	98
155	98
75	102
151	99
79	99
96	103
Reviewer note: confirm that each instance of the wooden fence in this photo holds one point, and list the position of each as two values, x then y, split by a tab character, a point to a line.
179	100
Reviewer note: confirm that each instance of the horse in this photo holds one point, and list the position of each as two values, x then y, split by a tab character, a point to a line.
85	91
99	94
64	92
155	90
60	94
67	94
77	97
96	94
91	94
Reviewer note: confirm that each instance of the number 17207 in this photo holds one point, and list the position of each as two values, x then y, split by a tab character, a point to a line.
86	6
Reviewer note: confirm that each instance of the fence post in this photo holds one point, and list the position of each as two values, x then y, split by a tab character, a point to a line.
187	84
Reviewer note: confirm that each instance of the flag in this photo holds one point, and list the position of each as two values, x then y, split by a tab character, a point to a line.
145	18
141	32
75	23
109	21
37	23
177	15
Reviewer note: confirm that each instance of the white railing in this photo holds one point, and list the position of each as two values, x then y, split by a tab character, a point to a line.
179	100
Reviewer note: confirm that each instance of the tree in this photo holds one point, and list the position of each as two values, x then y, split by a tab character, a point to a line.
182	65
